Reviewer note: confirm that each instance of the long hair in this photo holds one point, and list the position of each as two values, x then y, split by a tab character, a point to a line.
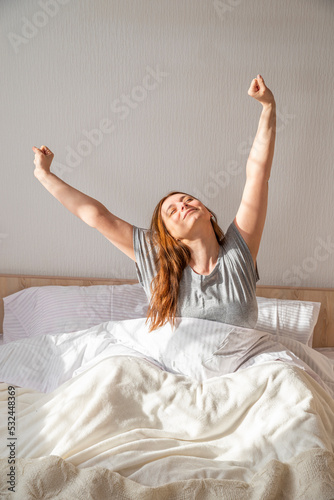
171	258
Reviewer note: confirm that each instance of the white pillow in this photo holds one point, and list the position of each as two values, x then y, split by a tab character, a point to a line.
295	319
129	302
63	309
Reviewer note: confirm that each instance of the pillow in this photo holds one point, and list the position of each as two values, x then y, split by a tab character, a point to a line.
63	309
295	319
129	302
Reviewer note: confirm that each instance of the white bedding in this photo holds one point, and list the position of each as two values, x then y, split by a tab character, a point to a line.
198	348
247	419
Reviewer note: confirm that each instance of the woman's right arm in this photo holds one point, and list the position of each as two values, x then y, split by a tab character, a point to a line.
89	210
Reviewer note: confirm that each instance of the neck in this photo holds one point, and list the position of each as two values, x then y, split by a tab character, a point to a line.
204	255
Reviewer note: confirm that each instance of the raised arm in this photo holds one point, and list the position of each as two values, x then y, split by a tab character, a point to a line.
252	212
89	210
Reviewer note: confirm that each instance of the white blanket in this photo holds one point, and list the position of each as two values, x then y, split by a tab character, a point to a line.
155	428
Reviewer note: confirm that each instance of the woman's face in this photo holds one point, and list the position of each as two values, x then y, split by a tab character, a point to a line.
181	213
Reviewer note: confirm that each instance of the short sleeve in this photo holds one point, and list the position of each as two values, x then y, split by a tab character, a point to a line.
145	257
236	241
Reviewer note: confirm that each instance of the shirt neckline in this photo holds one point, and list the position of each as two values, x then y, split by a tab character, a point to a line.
206	276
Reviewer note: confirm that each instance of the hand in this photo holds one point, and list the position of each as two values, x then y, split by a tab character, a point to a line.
43	159
260	91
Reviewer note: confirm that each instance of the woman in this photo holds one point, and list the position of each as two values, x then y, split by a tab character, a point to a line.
185	263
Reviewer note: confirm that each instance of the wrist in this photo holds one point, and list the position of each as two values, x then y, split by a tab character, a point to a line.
41	174
269	105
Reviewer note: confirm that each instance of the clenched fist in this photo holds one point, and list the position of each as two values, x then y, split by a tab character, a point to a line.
260	91
43	159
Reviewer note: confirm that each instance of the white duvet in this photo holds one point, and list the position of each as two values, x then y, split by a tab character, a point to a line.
256	406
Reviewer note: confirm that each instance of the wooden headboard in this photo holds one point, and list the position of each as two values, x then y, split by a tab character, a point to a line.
323	332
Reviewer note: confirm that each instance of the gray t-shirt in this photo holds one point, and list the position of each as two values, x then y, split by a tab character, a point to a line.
226	295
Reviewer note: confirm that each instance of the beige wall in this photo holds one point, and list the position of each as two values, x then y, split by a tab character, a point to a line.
136	98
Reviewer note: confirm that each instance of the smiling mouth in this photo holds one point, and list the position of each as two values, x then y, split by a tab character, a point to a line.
188	212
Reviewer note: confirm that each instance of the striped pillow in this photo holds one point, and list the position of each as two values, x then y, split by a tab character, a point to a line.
63	309
295	319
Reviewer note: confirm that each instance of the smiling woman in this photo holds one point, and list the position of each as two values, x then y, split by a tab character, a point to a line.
185	263
183	229
188	267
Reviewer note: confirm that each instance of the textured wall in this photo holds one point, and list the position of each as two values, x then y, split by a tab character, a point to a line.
138	97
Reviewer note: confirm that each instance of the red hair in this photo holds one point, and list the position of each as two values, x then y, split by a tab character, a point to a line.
171	258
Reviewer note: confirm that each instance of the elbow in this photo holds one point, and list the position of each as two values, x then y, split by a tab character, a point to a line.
92	215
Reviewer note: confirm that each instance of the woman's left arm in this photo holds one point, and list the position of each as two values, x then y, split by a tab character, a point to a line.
252	212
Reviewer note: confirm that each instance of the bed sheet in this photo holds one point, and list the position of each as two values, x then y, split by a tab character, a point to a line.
326	351
197	348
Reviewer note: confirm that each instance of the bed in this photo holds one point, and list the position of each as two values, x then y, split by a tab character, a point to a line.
92	406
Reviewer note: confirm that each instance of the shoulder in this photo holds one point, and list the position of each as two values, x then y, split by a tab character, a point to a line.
142	239
237	249
142	233
232	235
234	240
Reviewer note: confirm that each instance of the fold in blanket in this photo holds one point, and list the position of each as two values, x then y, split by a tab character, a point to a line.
308	476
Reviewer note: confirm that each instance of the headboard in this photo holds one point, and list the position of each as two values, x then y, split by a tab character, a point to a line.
323	332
